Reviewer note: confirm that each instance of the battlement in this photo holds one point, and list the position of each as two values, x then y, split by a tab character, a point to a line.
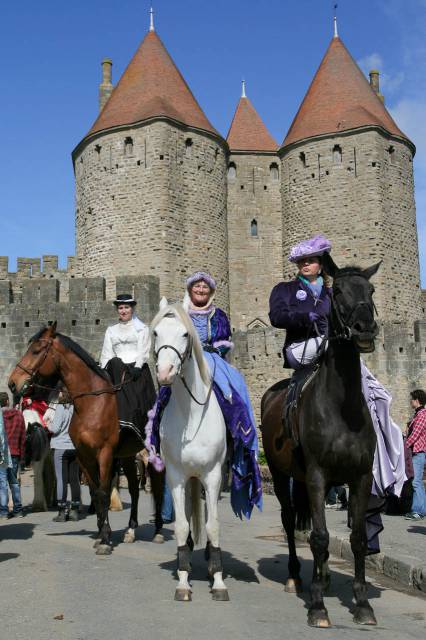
44	267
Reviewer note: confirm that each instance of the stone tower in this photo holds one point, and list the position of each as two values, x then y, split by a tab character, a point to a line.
347	172
254	217
151	181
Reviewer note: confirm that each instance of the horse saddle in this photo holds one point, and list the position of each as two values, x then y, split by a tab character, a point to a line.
296	386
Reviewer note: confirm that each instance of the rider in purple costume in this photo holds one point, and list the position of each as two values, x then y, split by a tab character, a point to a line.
302	306
214	331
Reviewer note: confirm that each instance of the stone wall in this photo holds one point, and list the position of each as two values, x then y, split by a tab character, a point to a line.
84	317
36	268
152	199
358	190
254	236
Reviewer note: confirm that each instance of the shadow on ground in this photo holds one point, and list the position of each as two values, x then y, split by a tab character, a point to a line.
232	567
17	531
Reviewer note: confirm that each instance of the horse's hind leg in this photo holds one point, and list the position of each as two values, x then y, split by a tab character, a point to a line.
358	496
319	538
157	479
129	468
39	501
282	484
212	483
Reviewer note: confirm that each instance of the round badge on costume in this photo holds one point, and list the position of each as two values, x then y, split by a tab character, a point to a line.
301	295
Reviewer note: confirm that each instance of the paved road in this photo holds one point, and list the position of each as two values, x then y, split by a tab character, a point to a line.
50	569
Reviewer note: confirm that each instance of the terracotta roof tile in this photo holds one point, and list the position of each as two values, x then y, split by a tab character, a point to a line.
151	86
247	131
339	98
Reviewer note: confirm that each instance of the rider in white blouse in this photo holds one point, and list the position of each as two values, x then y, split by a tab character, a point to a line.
129	339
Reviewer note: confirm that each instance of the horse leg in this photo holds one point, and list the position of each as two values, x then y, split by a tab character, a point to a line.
177	487
319	538
157	489
288	518
129	468
358	496
102	500
212	484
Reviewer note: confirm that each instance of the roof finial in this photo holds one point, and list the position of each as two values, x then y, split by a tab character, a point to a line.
336	35
243	89
151	19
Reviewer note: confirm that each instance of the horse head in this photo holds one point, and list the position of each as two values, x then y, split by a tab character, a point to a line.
352	314
173	339
37	362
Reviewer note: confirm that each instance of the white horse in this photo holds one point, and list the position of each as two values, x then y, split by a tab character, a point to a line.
193	440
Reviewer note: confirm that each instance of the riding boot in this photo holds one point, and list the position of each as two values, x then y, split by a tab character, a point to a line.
62	513
74	513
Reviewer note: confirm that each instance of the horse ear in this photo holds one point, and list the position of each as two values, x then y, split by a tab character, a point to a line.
368	273
186	301
163	303
329	266
53	329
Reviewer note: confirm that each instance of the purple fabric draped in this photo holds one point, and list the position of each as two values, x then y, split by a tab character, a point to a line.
389	460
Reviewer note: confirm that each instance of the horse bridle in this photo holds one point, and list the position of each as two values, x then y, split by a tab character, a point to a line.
345	329
32	372
187	354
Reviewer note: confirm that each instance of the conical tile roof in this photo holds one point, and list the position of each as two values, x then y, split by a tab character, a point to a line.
339	98
247	131
151	86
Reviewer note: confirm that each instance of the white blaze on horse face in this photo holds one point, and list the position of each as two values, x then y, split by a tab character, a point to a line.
169	333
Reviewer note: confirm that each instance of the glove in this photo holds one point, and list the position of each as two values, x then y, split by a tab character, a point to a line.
136	373
313	317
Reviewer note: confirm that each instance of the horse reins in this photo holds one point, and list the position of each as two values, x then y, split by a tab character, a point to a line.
186	355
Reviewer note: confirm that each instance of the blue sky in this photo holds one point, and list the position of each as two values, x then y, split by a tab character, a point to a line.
51	52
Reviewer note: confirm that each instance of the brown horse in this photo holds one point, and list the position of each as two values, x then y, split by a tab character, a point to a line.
94	428
337	441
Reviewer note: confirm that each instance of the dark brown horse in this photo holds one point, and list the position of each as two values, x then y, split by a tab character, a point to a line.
94	428
337	440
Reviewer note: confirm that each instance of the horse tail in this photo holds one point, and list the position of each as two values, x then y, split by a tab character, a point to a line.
301	506
196	509
37	442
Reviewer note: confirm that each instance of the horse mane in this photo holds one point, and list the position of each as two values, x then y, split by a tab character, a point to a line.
178	312
75	348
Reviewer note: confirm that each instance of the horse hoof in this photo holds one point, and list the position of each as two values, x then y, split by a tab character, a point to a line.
365	615
104	550
293	585
158	538
220	595
183	595
129	537
319	618
96	543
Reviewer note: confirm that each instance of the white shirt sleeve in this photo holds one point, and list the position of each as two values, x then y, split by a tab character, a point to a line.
107	350
144	346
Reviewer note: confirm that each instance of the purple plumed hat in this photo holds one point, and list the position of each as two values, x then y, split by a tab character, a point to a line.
315	246
201	275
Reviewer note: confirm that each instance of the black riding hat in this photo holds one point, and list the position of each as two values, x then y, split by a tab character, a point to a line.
125	298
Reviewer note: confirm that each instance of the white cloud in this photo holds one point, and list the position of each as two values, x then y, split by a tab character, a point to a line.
389	83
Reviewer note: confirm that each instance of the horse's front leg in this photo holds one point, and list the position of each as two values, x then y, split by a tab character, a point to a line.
319	538
102	500
129	468
212	483
359	493
177	488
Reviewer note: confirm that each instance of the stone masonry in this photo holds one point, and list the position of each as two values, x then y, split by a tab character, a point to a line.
254	236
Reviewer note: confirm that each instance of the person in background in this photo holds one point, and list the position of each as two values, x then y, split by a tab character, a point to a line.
65	460
416	441
14	427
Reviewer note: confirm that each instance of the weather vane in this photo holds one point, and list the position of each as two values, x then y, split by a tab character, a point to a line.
335	5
